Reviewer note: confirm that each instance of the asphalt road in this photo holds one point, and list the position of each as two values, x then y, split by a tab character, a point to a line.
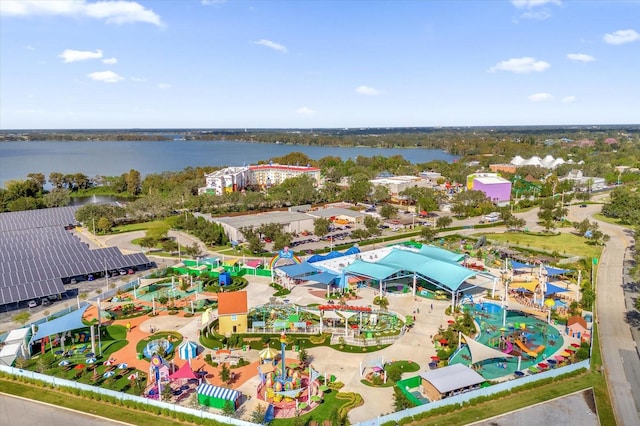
619	352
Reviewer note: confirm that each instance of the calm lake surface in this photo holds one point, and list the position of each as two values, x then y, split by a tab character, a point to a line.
111	158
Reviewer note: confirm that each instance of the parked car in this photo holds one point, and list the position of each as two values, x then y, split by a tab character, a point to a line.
32	304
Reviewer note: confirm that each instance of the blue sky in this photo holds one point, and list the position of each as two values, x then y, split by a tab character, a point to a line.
339	63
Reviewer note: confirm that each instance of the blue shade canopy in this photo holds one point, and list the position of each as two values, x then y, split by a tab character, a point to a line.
519	265
322	277
556	271
298	269
552	289
333	255
72	321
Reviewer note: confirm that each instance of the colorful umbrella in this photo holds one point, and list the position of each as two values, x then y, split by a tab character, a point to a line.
90	360
108	362
323	388
518	373
108	374
63	363
451	321
268	353
443	341
79	367
133	376
565	353
558	358
550	303
543	365
302	405
575	345
316	398
123	366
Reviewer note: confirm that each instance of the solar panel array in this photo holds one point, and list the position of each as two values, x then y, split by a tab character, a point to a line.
36	253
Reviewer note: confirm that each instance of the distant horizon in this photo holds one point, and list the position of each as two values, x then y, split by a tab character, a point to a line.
248	129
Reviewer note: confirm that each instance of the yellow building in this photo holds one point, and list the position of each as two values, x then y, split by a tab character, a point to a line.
232	312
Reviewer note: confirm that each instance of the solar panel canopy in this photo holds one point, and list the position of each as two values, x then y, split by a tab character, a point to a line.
37	254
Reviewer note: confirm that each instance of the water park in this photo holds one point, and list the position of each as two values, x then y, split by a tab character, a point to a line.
520	342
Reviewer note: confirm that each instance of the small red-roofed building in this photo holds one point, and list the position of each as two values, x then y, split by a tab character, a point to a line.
577	327
232	312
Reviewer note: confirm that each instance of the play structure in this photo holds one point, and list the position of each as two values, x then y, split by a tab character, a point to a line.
287	389
524	340
161	347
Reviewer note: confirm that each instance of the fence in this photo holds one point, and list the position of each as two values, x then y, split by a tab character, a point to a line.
464	397
124	396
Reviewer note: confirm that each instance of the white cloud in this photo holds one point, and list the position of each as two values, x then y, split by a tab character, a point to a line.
139	79
305	111
70	55
540	15
164	86
621	37
29	47
524	65
272	45
581	57
530	4
110	61
112	12
208	2
540	97
366	90
105	76
568	99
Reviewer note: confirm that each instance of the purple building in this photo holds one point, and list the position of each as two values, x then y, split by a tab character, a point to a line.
497	189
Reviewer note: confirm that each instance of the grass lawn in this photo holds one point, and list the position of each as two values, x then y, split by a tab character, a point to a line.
564	244
160	225
603	218
321	413
98	408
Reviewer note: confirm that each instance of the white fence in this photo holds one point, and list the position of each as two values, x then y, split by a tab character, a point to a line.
125	396
488	391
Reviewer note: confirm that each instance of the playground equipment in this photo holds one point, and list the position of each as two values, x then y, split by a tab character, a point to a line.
161	347
533	353
509	348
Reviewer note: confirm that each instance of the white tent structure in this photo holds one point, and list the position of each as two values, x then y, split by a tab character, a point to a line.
480	352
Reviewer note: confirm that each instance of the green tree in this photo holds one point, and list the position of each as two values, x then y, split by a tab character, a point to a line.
104	225
132	182
388	211
428	233
303	356
372	224
321	226
57	198
360	234
225	374
258	414
400	401
443	222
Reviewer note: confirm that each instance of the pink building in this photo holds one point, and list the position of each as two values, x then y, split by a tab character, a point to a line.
497	189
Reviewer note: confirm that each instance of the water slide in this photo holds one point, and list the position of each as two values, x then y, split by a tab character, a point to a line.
526	350
509	348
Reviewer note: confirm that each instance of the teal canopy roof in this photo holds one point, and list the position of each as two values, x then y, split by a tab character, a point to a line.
377	270
441	254
449	275
446	274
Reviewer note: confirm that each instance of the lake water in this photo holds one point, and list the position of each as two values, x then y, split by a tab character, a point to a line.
111	158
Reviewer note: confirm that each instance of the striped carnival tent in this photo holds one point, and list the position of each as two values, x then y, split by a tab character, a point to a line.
216	396
188	350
